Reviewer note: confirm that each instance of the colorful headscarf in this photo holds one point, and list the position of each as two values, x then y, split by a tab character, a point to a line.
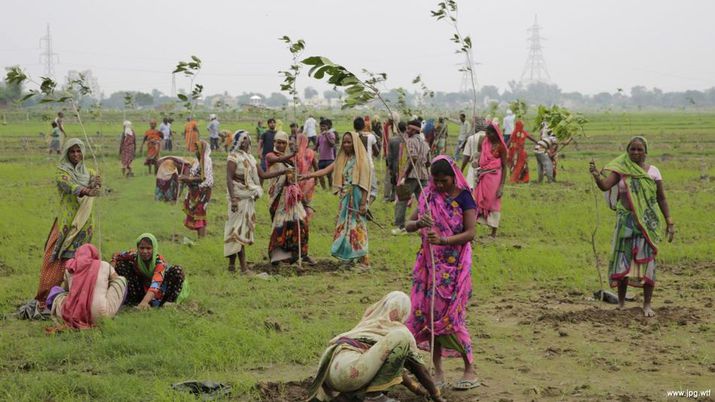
148	269
361	170
204	151
641	192
388	314
79	172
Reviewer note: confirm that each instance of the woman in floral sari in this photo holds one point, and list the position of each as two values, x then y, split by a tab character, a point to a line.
517	158
78	185
377	354
351	181
290	227
638	225
446	220
490	178
200	180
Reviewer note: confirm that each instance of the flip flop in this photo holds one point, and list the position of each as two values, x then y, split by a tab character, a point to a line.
464	385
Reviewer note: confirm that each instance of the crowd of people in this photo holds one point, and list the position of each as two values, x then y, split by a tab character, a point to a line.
78	288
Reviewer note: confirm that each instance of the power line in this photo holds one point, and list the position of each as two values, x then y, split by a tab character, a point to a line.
535	67
48	56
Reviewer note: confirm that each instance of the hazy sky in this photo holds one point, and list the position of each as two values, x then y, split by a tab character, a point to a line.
590	46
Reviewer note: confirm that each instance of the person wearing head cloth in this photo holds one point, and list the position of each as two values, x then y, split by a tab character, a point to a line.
369	141
244	188
127	148
517	158
446	220
73	226
378	353
351	181
200	180
638	194
470	152
290	228
152	137
170	168
490	178
92	290
151	282
414	177
191	134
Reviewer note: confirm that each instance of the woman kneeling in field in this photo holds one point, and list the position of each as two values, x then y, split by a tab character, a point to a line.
447	214
638	225
94	290
372	357
151	281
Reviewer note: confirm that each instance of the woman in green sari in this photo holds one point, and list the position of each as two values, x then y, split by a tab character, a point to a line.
73	226
378	353
640	193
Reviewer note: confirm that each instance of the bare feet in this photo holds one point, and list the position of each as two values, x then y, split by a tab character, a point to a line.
648	311
438	378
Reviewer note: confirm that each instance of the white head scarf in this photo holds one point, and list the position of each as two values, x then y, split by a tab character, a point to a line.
128	128
238	137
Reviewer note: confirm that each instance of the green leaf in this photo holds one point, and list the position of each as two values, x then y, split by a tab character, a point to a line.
182	97
196	59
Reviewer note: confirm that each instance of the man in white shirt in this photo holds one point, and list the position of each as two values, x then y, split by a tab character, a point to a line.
465	130
213	128
165	129
509	121
471	154
309	128
370	142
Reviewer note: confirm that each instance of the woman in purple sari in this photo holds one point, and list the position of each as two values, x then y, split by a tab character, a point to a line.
446	220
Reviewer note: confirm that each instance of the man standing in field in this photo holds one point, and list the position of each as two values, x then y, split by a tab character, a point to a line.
326	149
309	128
60	125
370	142
465	130
392	159
265	143
165	129
191	134
509	121
213	129
416	174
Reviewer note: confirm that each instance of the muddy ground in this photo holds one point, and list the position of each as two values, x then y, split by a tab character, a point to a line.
542	342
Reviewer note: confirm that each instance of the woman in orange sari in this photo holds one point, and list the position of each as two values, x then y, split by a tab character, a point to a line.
191	134
517	157
152	137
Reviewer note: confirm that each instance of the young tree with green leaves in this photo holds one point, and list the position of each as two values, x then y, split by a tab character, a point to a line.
290	76
190	69
448	10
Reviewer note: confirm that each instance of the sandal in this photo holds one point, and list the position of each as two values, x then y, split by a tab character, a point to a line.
465	385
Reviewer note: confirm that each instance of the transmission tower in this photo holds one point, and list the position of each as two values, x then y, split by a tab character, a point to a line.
48	56
173	85
535	67
466	83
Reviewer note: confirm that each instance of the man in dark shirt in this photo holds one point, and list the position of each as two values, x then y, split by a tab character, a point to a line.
392	160
265	144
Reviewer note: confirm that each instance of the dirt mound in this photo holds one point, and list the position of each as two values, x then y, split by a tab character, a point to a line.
293	269
298	391
664	316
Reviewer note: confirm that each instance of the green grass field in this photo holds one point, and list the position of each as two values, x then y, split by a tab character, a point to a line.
537	334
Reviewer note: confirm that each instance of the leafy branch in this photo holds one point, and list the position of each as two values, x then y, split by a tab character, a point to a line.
290	76
563	123
447	10
519	107
426	92
190	69
46	94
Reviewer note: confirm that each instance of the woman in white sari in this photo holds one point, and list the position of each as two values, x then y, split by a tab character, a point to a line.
244	188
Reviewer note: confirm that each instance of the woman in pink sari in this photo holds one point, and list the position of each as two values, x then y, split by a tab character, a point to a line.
446	220
490	178
304	162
